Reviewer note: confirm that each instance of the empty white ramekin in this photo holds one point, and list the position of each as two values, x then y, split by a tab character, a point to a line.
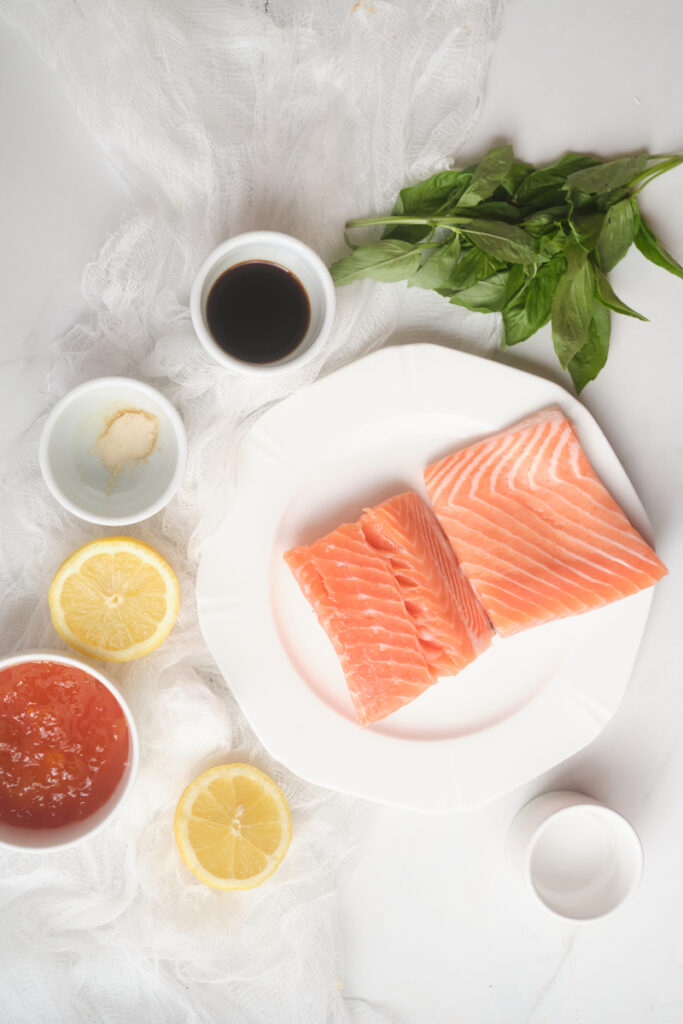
580	859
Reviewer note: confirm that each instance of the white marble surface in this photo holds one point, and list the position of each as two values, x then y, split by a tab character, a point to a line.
434	929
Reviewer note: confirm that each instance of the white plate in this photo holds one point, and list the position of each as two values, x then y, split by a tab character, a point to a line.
314	461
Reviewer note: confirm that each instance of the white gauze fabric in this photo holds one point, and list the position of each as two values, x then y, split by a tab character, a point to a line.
220	116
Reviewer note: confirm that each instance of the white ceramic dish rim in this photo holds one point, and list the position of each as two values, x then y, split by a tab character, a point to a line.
575	800
118	798
219	254
236	611
104	383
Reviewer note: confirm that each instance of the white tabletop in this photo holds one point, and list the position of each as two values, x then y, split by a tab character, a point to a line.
434	928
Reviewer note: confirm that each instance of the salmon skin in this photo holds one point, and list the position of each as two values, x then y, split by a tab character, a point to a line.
390	595
536	532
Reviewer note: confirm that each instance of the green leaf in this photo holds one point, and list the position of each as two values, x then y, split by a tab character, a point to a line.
503	241
530	308
587	363
428	196
618	233
544	199
571	162
516	281
517	173
606	294
425	199
438	268
386	260
578	201
572	305
552	178
474	265
497	210
586	228
654	251
552	244
609	175
607	199
537	222
487	296
489	174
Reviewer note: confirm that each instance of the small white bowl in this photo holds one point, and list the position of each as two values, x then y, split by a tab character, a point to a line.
45	839
77	476
292	255
580	859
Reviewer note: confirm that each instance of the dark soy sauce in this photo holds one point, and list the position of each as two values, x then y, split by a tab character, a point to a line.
258	312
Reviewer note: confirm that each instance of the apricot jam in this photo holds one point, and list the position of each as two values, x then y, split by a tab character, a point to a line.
64	744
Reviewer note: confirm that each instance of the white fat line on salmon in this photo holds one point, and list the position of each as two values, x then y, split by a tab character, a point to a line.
624	530
546	564
553	460
518	461
627	538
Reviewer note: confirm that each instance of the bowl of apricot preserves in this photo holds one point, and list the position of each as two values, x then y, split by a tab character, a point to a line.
68	750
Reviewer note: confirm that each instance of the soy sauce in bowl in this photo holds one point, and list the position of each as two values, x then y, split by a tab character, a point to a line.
258	312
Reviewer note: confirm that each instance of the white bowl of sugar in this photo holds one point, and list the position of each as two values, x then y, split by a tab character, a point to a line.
113	451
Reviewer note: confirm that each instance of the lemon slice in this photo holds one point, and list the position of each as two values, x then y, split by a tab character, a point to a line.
114	599
232	826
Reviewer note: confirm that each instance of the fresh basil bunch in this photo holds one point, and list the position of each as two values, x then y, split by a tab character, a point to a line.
532	244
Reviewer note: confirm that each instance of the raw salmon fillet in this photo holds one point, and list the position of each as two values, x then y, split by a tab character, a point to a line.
396	607
451	624
361	608
534	529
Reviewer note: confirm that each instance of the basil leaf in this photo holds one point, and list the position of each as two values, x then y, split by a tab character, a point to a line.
386	260
572	305
438	268
425	199
536	222
515	283
608	175
474	266
504	241
578	201
653	249
530	309
587	363
497	210
489	174
606	294
517	173
552	177
615	195
617	233
552	244
487	296
413	233
571	162
554	195
428	196
586	228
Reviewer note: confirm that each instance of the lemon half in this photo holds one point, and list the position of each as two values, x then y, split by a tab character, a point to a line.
115	599
232	826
